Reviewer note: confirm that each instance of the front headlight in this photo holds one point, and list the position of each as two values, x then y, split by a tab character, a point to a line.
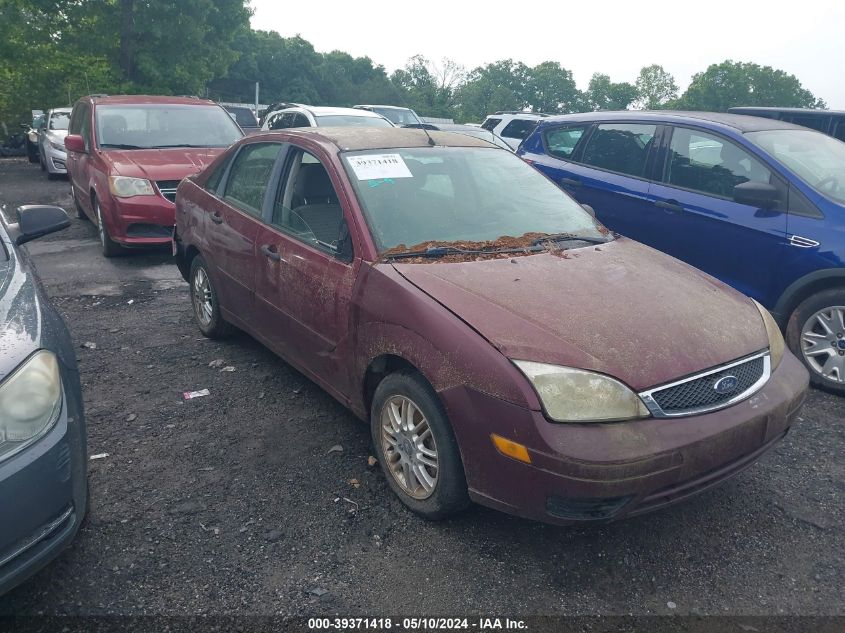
776	344
576	395
30	402
58	144
126	187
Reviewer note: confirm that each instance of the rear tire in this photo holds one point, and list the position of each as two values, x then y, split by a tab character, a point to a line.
204	300
109	247
410	432
816	335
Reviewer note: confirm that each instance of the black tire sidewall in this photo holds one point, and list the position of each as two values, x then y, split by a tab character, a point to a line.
218	327
807	308
450	493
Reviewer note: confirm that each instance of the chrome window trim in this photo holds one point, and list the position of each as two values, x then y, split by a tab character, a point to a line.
657	411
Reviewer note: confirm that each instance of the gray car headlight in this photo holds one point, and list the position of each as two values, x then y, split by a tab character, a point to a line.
576	395
30	402
57	144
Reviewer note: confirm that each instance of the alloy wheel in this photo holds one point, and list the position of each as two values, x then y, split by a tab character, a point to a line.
823	343
101	230
202	297
408	447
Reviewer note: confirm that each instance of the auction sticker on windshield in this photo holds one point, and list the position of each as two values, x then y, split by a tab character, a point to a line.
378	166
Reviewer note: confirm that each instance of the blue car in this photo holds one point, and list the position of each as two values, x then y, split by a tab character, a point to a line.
43	484
757	203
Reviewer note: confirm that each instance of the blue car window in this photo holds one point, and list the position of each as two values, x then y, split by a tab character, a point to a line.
711	164
620	147
561	141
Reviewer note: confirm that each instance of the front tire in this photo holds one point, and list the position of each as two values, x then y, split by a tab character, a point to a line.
416	447
816	335
205	302
109	247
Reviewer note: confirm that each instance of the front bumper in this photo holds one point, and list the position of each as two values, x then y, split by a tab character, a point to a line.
141	220
55	160
43	498
603	472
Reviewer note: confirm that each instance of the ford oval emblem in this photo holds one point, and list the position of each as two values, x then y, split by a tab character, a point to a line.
726	384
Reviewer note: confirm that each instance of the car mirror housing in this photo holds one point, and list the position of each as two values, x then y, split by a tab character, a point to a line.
756	194
75	143
36	221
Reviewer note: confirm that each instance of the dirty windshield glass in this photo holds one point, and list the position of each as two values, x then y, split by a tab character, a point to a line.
156	126
817	159
451	196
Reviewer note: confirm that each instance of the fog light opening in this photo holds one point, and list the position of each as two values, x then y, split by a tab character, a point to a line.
511	449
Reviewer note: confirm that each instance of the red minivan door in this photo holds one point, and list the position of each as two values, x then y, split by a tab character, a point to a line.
305	273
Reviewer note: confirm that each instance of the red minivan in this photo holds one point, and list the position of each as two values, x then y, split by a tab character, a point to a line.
127	154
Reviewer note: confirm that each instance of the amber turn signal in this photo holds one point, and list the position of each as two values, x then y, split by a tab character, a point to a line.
511	449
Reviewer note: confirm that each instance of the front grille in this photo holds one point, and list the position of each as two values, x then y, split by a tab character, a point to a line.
698	393
168	188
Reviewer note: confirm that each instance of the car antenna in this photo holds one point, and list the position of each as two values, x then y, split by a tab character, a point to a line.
430	140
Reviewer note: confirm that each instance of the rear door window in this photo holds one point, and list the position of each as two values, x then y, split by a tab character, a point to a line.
519	129
711	164
561	142
490	124
250	175
620	147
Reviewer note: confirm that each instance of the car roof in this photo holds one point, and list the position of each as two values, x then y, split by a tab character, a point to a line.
386	107
738	122
60	110
810	111
460	127
364	138
148	100
331	111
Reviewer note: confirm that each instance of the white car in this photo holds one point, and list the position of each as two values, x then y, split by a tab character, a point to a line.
51	142
311	116
513	127
397	115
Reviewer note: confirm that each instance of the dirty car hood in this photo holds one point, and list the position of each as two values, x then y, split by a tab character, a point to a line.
622	309
161	164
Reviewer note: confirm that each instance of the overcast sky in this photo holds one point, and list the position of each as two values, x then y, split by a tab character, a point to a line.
616	38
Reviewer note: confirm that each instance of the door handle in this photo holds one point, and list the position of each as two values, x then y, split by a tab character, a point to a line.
669	205
216	218
572	182
270	251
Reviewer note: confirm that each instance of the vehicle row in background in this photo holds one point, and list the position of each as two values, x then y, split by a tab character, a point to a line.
320	116
52	154
830	122
755	202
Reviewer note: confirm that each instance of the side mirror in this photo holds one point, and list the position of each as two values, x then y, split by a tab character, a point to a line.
75	143
37	220
756	194
589	209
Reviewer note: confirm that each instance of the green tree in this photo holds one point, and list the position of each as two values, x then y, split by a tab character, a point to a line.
730	83
551	88
603	94
655	87
429	89
502	85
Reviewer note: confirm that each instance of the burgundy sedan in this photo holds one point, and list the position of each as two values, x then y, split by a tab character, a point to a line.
504	346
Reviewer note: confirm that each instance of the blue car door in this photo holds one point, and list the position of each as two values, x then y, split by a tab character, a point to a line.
701	222
607	167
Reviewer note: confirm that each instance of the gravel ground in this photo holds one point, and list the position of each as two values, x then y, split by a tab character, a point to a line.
234	503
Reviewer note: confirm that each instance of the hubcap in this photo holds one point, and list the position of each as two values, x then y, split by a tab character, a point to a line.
823	343
201	294
408	447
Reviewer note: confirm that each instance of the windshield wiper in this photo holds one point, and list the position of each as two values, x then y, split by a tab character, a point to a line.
567	237
443	251
121	146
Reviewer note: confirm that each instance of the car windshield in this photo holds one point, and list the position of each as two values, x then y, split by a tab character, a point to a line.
164	125
454	195
346	120
817	159
399	116
59	120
